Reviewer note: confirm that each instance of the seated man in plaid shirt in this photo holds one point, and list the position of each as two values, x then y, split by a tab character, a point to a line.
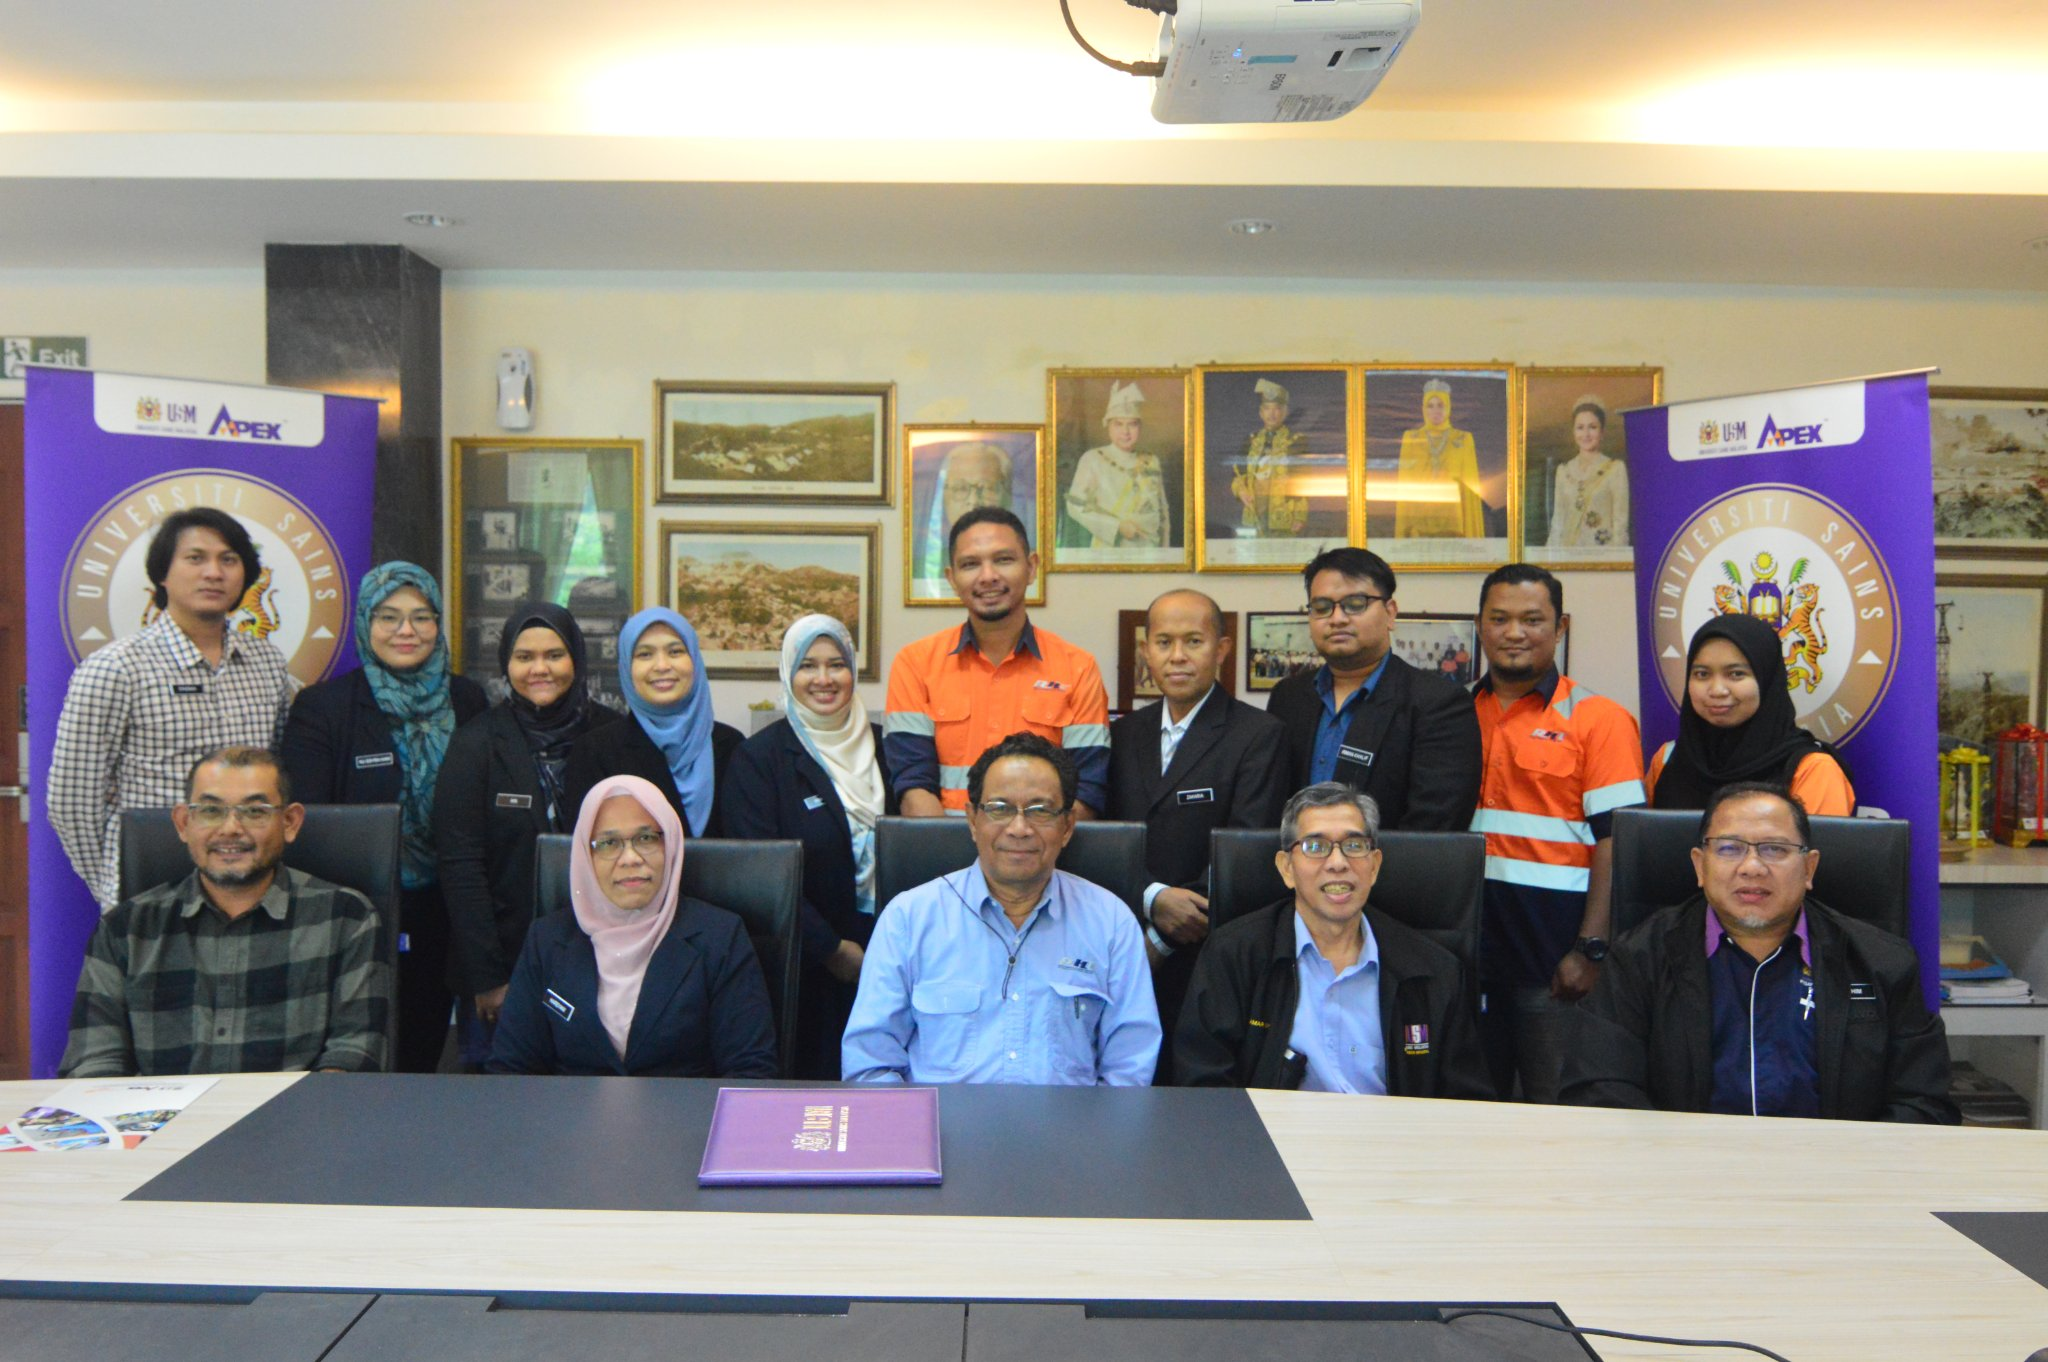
242	966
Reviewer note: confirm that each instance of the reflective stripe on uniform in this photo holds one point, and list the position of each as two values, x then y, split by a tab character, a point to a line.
1620	795
921	725
953	777
1538	826
1085	735
1572	879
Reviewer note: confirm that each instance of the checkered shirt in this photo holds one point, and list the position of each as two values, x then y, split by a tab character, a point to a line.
139	712
172	985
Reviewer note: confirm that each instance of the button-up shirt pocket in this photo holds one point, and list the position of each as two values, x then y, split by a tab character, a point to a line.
1079	1005
943	1011
1045	713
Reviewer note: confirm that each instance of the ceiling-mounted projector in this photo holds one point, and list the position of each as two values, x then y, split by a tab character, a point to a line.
1275	61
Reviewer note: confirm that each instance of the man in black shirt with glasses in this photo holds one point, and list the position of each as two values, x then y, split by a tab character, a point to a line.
1407	737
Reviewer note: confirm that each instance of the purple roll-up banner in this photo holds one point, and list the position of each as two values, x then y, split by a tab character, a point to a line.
1813	509
108	456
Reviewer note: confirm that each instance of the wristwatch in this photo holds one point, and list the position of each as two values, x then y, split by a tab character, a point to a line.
1594	948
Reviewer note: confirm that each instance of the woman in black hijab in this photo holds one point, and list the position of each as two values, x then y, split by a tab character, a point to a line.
501	786
1738	724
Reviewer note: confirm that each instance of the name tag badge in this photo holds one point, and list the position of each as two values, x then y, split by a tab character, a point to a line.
370	759
1357	754
814	802
515	801
188	688
1415	1039
1862	993
559	1005
1203	796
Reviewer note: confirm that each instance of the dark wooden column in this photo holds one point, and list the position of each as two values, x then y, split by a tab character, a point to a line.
366	320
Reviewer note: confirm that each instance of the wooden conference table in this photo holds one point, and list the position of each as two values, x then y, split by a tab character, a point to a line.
1818	1240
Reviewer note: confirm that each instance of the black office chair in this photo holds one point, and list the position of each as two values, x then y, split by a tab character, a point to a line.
352	845
763	882
914	851
1431	881
1865	866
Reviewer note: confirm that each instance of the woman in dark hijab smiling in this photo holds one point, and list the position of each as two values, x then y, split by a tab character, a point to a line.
501	786
1738	723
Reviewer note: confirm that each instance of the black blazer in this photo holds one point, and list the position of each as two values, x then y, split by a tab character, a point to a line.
488	808
1239	1014
1644	1036
624	749
703	1008
337	746
1230	771
1421	738
774	788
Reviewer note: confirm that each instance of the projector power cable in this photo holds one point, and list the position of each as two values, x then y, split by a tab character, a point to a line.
1584	1331
1129	68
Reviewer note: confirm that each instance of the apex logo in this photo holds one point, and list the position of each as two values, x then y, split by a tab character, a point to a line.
253	430
1776	436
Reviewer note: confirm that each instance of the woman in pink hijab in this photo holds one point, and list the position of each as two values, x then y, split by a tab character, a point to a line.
637	978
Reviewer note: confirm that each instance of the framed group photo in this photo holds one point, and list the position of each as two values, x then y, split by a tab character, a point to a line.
1276	472
949	471
774	443
1990	453
1444	643
1439	489
741	587
1575	477
1134	681
1119	490
1276	646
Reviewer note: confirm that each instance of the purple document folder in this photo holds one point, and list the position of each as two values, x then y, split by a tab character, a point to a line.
778	1137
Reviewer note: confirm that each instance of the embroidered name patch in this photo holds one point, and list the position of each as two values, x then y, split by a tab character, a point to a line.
515	801
370	759
1048	685
1075	962
1549	735
1203	796
559	1005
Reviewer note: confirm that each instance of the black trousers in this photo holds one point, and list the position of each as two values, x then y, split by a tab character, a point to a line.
421	1011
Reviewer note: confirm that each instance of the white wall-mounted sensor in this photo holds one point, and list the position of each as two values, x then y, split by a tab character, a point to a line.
515	390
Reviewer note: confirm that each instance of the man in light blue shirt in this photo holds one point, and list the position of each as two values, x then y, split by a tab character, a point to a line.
1008	971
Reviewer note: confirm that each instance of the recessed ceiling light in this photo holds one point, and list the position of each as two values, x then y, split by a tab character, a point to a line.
430	220
1251	226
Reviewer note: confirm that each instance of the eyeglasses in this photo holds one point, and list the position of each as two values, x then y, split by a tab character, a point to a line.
212	814
1734	850
1319	848
1322	607
1003	811
420	620
646	845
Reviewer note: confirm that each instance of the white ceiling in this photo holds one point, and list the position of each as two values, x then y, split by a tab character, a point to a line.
1511	141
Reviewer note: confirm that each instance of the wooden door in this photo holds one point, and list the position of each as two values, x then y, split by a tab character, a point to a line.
13	751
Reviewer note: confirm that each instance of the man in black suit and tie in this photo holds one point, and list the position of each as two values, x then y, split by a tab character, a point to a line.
1195	761
1407	737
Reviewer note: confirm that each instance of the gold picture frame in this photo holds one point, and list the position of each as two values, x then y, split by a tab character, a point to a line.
774	444
1387	492
1549	396
751	648
2019	424
928	454
1316	486
1075	400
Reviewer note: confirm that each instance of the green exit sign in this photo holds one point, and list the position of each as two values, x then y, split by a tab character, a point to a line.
18	352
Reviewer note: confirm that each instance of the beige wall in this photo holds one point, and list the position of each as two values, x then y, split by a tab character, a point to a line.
977	348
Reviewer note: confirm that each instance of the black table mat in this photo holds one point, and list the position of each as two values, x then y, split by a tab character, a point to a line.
633	1144
2019	1237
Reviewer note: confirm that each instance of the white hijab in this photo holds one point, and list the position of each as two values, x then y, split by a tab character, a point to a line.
845	747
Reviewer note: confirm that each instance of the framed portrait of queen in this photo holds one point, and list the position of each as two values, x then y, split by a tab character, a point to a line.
1439	490
1575	483
1119	494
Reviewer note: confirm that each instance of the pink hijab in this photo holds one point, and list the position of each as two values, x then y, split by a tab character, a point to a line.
623	941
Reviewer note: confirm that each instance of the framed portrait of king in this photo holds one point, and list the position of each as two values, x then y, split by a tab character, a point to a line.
1119	493
949	471
1574	503
1439	484
1278	465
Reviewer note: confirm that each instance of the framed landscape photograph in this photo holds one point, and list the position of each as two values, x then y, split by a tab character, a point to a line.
1575	485
1991	637
1134	683
1277	645
742	586
1444	643
1119	491
1990	471
1276	449
1439	484
774	443
950	470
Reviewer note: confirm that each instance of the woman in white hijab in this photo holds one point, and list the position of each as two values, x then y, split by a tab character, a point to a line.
638	978
815	776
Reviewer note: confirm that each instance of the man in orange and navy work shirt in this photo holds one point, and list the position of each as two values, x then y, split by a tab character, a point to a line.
1559	761
956	694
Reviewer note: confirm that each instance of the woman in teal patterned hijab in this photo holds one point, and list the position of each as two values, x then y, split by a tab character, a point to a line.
405	660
